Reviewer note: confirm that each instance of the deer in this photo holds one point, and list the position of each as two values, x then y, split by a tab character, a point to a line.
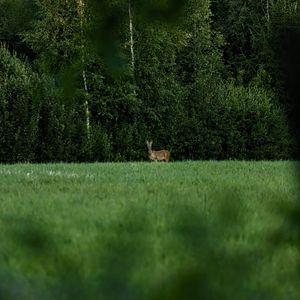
161	155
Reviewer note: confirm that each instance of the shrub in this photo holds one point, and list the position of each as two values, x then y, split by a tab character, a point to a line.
234	122
18	109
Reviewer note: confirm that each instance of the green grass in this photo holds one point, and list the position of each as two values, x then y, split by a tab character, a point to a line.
186	230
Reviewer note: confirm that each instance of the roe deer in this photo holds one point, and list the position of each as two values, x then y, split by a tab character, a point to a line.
157	155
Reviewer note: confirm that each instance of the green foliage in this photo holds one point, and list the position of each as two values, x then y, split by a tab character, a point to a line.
201	78
55	35
285	71
18	109
245	27
262	45
233	122
16	17
157	82
101	148
50	135
257	129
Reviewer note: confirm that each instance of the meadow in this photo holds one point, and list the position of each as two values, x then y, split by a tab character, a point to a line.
140	230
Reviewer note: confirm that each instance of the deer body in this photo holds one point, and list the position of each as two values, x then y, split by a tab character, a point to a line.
161	155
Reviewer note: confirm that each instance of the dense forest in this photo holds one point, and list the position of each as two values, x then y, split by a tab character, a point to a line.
87	80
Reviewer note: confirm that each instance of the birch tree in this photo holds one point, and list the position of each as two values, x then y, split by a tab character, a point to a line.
81	11
131	42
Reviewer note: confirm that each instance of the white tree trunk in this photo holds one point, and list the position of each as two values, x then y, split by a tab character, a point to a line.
86	104
268	11
131	42
85	85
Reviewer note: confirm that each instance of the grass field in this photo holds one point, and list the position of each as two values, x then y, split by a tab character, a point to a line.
185	230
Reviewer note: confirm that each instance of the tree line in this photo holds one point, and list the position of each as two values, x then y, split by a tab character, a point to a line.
87	80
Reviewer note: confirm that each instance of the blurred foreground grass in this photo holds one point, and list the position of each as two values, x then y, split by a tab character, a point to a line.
186	230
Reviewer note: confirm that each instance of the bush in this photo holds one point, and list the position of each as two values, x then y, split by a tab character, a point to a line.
18	109
256	127
234	122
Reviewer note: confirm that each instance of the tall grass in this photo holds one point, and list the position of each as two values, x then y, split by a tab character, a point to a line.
186	230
